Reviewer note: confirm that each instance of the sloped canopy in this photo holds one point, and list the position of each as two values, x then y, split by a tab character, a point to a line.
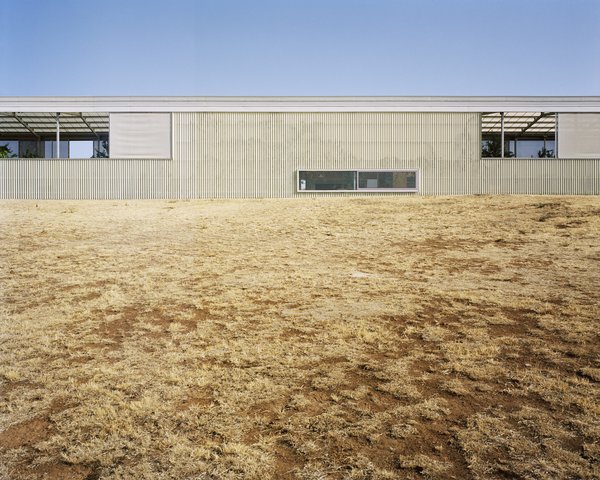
43	124
520	123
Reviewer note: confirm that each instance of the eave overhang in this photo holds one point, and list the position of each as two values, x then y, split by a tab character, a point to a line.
300	104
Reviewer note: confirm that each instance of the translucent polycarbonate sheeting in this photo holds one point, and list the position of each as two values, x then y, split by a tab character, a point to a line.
526	123
44	123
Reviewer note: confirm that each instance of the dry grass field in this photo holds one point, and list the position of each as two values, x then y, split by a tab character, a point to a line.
332	338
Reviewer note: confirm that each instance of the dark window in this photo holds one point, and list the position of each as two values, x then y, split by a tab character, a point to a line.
391	180
327	180
357	180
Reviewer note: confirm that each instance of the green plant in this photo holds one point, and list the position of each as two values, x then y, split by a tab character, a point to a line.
29	154
492	148
6	152
545	153
101	152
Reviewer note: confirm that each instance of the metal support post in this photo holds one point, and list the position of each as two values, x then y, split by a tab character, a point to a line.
502	134
57	135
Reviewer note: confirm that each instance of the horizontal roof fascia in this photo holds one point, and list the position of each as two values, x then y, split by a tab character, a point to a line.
300	104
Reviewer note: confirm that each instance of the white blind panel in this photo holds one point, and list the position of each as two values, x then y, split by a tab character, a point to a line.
579	135
140	135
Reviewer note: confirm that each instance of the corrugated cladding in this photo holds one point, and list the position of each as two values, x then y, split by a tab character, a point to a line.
258	154
95	178
540	176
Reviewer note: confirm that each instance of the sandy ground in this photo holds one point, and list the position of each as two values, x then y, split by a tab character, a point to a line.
363	338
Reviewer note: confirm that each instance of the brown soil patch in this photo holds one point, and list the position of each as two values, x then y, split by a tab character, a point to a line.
62	471
25	433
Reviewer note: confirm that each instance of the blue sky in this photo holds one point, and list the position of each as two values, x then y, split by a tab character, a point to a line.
302	47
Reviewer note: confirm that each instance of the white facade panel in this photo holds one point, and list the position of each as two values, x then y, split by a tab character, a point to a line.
579	135
140	135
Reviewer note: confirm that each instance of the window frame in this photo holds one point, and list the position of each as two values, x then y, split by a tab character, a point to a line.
356	172
505	137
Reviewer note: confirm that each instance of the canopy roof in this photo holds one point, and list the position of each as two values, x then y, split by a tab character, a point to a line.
520	123
44	123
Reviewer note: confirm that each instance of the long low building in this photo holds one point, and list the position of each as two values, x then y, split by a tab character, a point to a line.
227	147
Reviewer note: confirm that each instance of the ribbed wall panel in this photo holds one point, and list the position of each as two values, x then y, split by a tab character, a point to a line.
85	178
258	154
540	176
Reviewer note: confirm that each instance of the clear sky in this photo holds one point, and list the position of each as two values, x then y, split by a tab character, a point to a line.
300	47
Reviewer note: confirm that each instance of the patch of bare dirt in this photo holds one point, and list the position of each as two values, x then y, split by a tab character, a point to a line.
62	471
26	433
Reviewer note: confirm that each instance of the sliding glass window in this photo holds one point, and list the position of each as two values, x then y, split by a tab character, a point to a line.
357	180
402	180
